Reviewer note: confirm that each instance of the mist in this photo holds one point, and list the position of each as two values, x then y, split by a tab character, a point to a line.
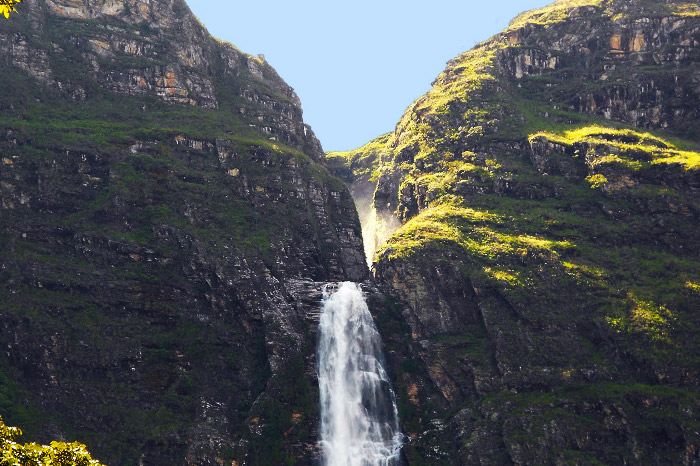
377	226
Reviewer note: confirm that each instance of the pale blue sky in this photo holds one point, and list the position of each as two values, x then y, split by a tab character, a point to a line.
357	66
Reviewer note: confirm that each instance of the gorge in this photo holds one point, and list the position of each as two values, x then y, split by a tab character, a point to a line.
168	223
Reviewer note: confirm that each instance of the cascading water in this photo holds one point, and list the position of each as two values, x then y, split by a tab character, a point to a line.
359	418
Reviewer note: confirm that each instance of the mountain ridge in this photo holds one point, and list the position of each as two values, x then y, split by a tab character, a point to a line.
546	190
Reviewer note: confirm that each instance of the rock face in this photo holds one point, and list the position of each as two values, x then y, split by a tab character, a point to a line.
166	218
546	269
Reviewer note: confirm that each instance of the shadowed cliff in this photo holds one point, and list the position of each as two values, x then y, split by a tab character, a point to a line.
165	215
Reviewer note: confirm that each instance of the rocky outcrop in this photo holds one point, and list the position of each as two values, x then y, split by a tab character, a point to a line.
641	67
149	49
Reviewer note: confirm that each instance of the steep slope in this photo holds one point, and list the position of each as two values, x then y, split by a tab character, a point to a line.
547	262
165	214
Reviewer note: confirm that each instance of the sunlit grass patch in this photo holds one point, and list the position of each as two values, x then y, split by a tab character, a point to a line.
644	317
506	276
617	160
685	9
584	269
549	15
597	180
694	287
365	161
634	150
480	232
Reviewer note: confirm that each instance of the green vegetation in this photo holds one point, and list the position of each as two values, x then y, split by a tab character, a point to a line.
14	400
658	412
597	180
156	171
99	125
685	9
534	250
553	251
362	163
56	454
560	11
7	6
148	227
632	149
550	15
159	199
574	232
546	235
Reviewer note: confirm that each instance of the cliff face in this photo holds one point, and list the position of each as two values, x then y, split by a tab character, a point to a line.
165	215
547	188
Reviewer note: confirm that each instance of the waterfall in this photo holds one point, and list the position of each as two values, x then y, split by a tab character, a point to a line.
359	418
377	228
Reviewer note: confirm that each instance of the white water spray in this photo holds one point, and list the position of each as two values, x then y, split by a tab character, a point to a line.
359	418
377	226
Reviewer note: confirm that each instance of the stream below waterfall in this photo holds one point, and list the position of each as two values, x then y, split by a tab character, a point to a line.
359	417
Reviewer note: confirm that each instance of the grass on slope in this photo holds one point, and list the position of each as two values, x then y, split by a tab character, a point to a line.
629	145
363	162
560	11
545	250
549	15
